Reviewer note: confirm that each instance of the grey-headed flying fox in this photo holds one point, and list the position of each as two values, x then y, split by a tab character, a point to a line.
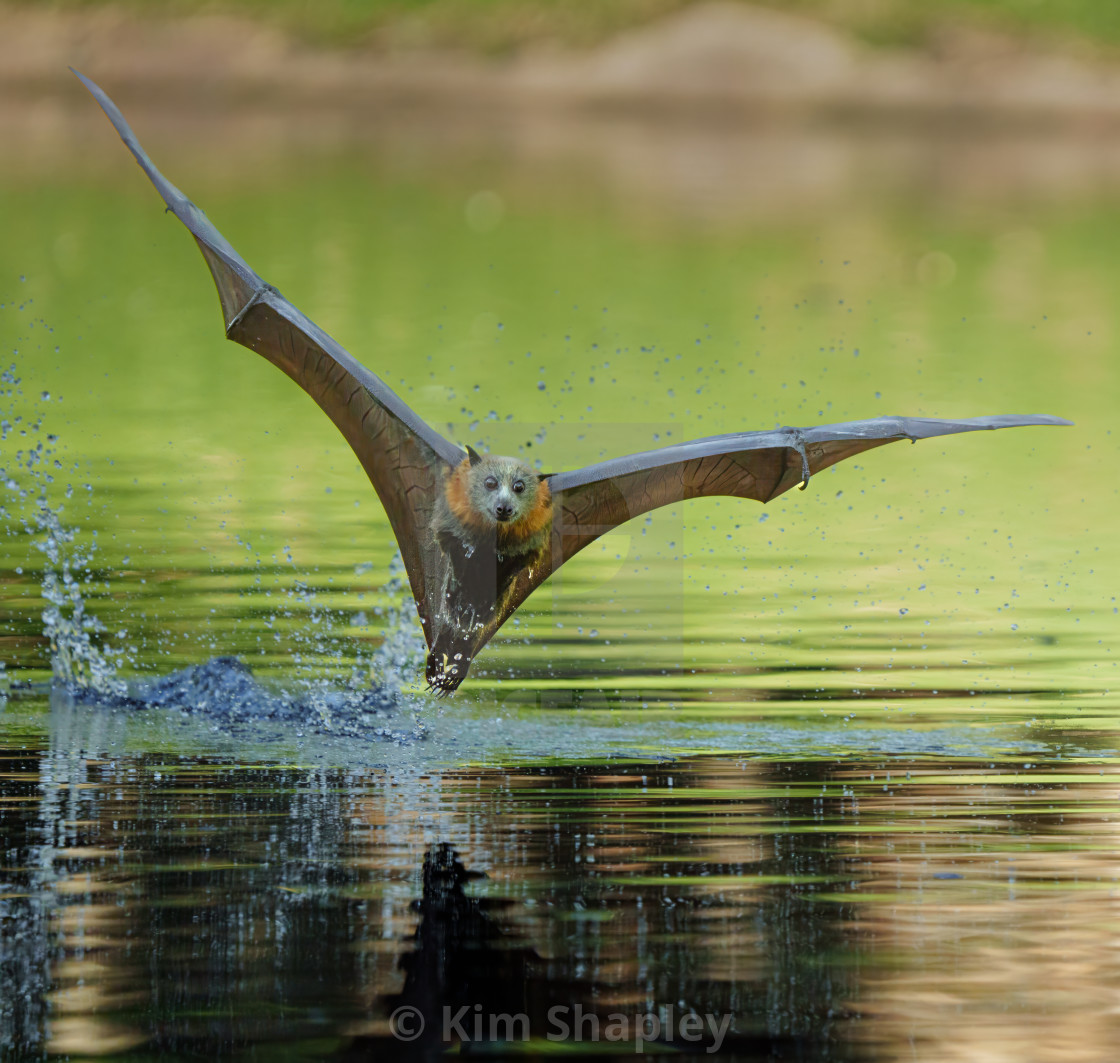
479	534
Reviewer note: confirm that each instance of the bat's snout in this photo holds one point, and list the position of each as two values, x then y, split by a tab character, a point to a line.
503	513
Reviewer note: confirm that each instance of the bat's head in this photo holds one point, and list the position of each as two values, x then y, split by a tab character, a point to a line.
501	491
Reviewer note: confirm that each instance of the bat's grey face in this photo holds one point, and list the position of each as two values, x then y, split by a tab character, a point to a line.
503	489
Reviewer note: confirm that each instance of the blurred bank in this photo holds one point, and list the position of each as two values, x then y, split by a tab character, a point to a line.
716	111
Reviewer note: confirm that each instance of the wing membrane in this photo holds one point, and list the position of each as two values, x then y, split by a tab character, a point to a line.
402	455
758	465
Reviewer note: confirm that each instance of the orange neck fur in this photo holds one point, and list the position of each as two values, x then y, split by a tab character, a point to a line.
458	501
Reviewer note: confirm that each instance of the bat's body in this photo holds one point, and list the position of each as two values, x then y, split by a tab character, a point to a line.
478	535
492	522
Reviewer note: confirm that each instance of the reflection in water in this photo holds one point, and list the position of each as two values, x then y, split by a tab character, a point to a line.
24	904
834	908
459	963
992	891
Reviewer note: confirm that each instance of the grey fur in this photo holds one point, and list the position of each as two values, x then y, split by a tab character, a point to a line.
501	503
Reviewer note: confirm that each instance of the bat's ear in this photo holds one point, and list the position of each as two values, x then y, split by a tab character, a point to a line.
473	455
542	476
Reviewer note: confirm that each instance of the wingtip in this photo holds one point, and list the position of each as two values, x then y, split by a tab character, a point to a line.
88	82
1046	419
112	112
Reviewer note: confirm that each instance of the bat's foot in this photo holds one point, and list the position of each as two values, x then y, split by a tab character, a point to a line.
444	673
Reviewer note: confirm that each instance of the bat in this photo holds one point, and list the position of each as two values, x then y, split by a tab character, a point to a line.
479	533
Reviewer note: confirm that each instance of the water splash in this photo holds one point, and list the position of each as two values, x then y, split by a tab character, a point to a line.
399	660
334	683
76	658
28	481
34	510
388	675
225	691
373	702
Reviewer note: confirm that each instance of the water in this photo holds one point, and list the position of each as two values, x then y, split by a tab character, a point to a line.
840	769
838	907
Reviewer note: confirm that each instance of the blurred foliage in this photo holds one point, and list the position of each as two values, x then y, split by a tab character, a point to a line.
500	26
916	22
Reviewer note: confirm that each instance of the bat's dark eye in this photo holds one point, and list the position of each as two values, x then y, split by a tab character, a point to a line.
491	483
518	486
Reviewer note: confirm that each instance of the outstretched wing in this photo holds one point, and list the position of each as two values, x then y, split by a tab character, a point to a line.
403	457
589	502
759	465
